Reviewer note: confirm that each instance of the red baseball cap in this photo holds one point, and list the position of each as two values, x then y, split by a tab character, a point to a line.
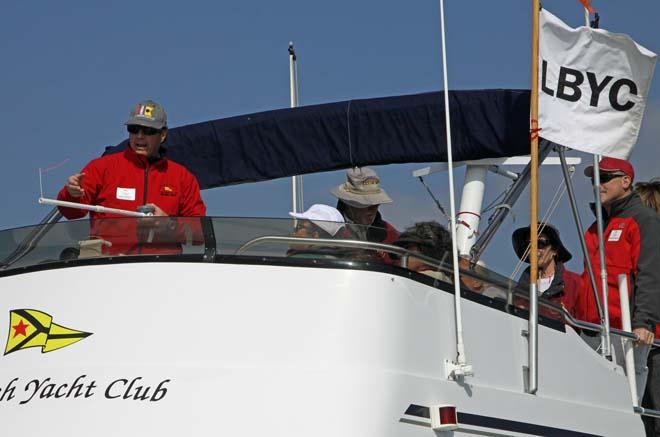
612	165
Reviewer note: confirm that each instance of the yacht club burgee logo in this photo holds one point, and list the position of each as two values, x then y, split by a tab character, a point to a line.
32	328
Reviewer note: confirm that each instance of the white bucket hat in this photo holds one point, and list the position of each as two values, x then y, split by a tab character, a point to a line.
325	217
361	189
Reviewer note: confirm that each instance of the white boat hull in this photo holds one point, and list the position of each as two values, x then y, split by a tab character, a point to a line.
246	350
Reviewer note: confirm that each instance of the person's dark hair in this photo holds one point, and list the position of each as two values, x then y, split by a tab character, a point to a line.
649	192
432	238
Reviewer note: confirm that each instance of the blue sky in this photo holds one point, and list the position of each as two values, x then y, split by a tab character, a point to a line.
71	71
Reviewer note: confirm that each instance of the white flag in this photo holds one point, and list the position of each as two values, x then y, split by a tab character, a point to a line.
593	86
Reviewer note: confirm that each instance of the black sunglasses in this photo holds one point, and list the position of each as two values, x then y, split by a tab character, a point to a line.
606	177
136	128
541	244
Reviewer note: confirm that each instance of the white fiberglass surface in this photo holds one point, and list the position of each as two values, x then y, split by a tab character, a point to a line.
178	346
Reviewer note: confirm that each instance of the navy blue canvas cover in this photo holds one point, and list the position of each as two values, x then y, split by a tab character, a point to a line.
400	129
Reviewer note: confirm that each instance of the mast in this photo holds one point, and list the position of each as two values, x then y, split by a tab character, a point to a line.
296	181
533	188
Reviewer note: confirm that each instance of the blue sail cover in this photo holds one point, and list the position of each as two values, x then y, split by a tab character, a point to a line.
287	142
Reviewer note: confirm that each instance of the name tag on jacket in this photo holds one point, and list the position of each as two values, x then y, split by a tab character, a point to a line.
125	193
615	235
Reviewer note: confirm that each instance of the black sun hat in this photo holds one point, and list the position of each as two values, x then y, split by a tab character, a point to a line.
520	240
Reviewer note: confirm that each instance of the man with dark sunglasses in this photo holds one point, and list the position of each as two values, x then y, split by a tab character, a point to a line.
632	247
140	176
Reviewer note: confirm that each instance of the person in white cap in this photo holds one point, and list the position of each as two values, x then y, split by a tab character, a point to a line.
319	221
358	201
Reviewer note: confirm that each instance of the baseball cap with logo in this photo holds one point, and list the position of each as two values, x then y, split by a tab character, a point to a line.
612	165
148	113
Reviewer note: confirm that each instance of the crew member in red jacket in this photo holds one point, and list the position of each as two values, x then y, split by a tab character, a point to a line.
141	175
632	248
359	199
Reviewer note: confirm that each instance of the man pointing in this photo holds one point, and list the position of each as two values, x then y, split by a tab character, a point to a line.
141	175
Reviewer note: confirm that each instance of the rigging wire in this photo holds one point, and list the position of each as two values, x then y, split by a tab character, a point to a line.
437	202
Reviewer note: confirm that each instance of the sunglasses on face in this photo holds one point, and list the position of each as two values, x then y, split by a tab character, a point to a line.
541	243
136	128
606	177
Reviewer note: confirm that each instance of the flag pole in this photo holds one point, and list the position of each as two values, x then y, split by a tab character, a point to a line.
532	333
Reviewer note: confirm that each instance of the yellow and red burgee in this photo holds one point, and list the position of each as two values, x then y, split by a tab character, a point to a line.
32	328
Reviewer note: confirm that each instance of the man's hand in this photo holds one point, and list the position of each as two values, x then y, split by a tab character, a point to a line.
151	222
157	211
474	284
74	185
645	336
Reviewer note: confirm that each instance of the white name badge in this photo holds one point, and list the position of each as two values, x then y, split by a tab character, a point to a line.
125	193
615	235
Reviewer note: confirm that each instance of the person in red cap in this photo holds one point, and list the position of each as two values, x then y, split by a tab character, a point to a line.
632	248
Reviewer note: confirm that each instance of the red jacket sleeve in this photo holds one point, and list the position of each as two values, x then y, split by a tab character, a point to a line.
90	183
572	288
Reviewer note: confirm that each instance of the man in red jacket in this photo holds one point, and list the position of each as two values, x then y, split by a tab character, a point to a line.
141	175
632	247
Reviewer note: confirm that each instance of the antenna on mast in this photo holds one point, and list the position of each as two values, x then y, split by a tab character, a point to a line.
296	181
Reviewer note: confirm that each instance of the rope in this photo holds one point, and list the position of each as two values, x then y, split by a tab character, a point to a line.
534	131
492	204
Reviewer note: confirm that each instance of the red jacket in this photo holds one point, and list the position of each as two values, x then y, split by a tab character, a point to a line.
632	247
127	180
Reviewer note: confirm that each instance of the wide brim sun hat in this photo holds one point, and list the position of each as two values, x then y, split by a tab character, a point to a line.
361	189
520	240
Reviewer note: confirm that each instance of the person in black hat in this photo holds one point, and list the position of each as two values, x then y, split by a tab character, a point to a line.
557	284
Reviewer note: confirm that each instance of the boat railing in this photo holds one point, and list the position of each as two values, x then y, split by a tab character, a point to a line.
405	254
327	242
241	239
238	236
